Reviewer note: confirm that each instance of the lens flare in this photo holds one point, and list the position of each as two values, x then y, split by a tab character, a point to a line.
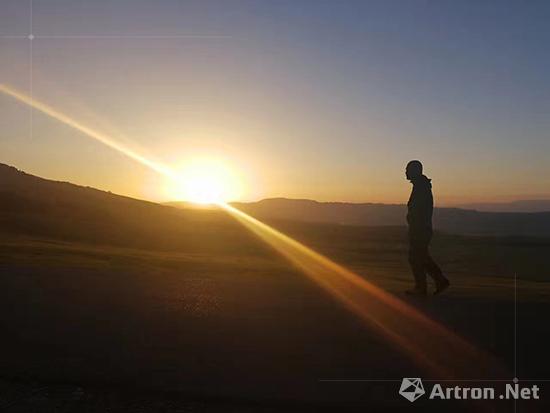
431	345
98	136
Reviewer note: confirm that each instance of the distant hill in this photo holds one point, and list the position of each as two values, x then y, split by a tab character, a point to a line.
35	206
30	205
533	205
453	220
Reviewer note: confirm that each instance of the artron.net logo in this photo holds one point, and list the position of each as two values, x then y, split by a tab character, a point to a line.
412	389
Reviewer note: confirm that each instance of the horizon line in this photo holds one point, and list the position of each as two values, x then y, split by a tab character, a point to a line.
459	205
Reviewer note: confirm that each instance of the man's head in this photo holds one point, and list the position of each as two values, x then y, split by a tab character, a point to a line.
413	170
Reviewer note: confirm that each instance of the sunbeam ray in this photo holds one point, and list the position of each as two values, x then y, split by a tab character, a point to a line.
434	346
98	136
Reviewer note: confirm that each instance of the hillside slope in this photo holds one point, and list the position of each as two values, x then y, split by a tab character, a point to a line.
30	205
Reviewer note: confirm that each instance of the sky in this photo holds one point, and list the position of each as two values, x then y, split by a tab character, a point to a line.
317	99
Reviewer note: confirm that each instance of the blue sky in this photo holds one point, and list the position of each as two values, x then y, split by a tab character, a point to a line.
311	99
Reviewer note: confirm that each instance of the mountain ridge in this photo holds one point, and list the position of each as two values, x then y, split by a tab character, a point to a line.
40	206
448	219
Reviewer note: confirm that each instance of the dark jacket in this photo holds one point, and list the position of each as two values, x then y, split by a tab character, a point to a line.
420	206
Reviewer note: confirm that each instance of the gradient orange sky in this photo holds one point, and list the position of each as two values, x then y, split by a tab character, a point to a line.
321	100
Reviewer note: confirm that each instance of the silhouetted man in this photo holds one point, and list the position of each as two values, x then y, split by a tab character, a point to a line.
419	217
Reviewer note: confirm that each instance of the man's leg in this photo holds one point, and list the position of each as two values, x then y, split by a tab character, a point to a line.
418	250
434	271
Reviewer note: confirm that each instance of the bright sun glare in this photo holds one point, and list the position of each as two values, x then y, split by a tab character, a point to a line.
205	182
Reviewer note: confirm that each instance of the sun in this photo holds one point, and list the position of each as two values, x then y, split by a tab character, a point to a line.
205	182
205	189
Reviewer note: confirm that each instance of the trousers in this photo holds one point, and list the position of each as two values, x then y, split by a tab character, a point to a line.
420	260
